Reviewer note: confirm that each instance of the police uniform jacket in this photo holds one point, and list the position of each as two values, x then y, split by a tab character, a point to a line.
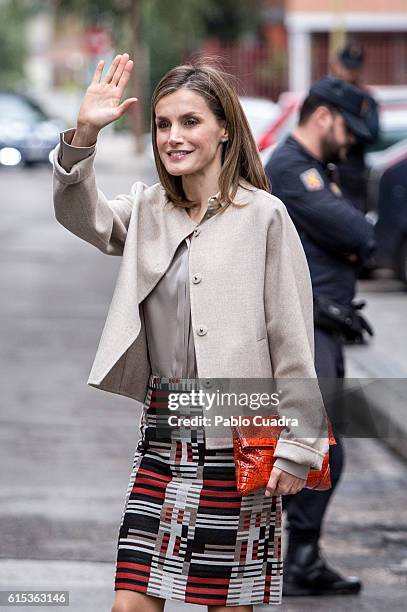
330	227
352	172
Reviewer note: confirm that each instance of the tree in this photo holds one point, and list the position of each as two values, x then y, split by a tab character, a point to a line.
168	28
158	33
230	19
12	47
172	29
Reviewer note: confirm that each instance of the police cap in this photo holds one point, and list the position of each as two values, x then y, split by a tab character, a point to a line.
351	56
350	101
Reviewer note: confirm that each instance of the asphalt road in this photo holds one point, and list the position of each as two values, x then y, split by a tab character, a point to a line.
66	449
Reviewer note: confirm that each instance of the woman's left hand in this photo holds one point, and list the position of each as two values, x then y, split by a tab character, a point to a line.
283	483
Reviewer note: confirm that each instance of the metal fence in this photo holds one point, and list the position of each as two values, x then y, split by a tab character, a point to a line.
385	56
259	71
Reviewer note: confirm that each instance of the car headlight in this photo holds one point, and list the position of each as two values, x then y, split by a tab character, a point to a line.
9	156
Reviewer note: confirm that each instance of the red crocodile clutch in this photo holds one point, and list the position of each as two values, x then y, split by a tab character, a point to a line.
254	447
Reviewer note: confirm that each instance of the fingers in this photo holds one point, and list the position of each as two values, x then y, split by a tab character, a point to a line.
273	482
118	73
124	106
292	489
283	483
112	68
119	69
125	76
98	72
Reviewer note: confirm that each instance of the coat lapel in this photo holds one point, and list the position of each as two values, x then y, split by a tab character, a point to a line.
159	235
155	231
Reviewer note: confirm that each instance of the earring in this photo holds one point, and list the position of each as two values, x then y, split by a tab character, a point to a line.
224	140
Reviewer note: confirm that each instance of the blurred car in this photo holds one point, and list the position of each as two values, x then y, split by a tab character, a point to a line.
391	225
283	125
27	135
378	162
261	113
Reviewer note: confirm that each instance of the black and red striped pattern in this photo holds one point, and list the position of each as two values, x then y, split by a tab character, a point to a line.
186	533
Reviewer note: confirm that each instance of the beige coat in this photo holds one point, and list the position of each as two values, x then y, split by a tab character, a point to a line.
252	313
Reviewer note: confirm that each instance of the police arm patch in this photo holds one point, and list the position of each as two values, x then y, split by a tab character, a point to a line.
312	180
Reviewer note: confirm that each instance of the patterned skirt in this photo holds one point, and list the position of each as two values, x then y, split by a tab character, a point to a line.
186	534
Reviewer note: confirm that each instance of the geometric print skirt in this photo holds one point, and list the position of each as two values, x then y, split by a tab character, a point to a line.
186	533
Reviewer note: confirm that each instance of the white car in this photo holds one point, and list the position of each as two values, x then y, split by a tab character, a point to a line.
260	113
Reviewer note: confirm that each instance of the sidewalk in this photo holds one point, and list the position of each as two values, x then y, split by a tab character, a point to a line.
384	361
89	584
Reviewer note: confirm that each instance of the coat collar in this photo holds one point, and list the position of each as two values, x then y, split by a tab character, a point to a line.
179	223
172	225
243	195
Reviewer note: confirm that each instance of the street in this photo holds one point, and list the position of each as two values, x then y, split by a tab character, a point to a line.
66	449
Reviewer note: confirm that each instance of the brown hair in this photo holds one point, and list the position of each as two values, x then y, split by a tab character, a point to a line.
310	105
240	156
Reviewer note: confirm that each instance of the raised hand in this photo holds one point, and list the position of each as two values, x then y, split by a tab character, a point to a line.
101	104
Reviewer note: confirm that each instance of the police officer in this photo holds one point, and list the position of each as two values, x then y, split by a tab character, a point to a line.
352	172
337	239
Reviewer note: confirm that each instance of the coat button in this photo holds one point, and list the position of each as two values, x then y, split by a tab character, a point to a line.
202	330
207	383
197	231
196	278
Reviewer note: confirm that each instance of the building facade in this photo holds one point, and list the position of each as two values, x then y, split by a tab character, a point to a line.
380	26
